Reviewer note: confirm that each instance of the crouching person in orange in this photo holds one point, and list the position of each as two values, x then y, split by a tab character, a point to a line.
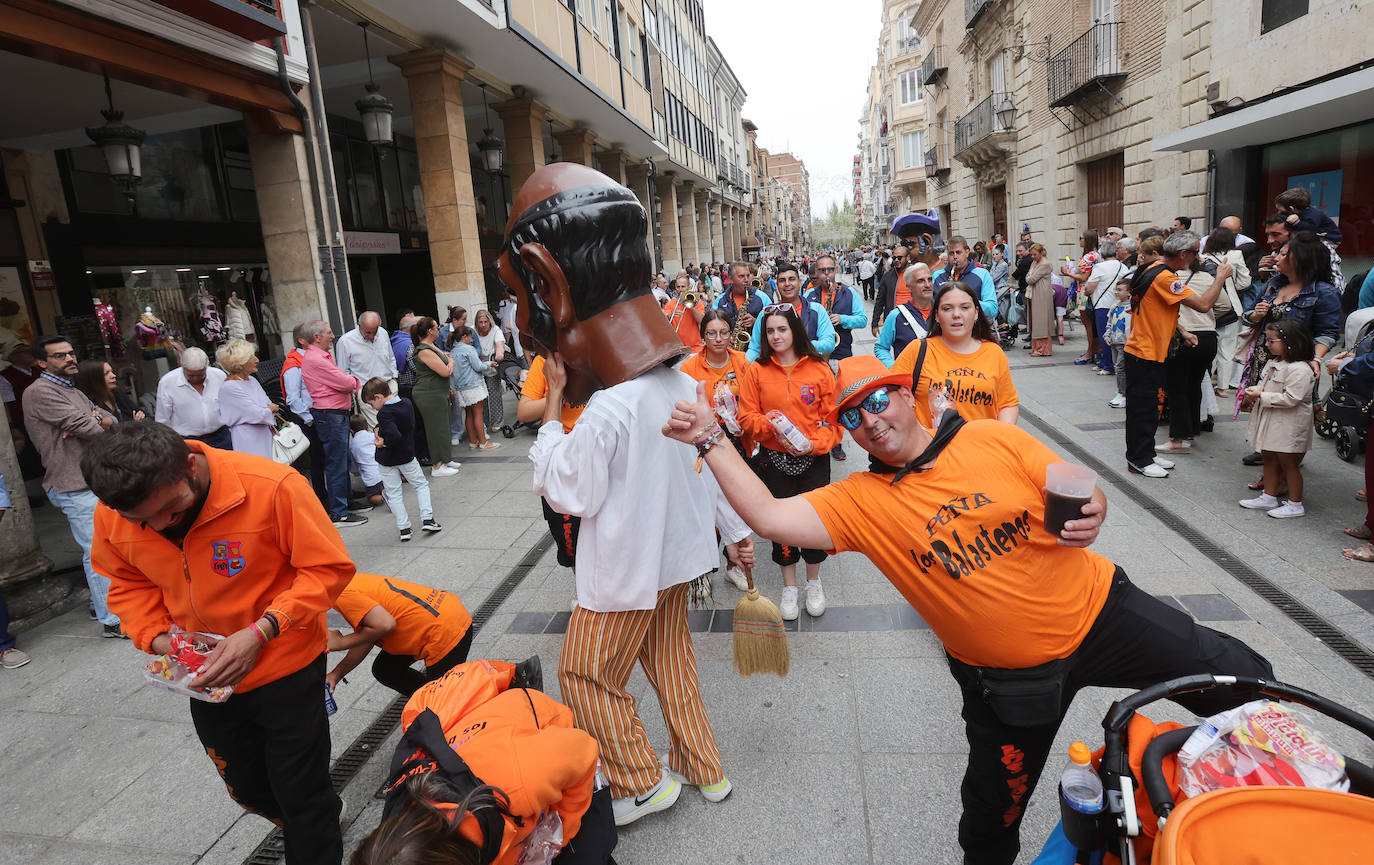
491	770
409	622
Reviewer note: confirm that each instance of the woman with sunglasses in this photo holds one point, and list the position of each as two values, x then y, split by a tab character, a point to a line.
792	378
964	368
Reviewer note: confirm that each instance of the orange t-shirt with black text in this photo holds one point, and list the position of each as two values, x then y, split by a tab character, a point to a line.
429	622
1153	323
536	386
978	385
965	544
732	374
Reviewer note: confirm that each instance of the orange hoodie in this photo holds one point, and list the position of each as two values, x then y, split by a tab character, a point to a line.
262	541
804	391
521	741
732	374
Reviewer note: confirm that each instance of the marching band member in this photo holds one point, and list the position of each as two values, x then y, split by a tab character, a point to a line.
685	320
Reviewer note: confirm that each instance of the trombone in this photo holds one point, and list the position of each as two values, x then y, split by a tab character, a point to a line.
686	301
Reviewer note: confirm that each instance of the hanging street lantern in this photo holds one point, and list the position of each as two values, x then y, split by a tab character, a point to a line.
1006	112
120	143
374	108
489	146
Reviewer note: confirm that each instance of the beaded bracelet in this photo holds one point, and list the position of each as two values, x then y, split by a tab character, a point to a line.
704	444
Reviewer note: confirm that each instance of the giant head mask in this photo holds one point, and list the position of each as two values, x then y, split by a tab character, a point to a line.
577	256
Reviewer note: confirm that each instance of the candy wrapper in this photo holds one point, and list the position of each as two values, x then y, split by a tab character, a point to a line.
545	842
1258	744
176	670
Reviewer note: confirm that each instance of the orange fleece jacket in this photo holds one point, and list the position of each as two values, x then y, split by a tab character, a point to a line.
262	541
522	742
804	391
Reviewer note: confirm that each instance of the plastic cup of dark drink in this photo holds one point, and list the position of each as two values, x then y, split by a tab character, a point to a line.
1068	487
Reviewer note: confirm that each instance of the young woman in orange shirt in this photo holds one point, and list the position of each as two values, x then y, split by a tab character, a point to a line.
791	379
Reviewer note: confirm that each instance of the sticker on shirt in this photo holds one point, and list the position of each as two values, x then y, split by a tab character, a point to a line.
227	560
808	394
1177	286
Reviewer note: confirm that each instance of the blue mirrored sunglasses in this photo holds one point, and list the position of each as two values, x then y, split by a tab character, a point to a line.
875	403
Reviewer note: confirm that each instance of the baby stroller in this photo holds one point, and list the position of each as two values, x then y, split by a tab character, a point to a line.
1008	314
1344	413
510	370
1260	825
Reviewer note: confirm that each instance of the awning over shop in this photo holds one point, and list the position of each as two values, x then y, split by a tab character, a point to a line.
1329	104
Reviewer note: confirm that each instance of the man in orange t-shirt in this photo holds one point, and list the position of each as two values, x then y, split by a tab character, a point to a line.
408	622
956	521
1156	292
224	543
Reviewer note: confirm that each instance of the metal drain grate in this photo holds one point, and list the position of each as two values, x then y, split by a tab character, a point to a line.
272	850
1349	649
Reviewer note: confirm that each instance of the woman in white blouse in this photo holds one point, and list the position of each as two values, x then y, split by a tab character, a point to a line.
491	346
243	404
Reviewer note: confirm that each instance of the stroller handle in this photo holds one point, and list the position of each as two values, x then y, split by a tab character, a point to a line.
1115	760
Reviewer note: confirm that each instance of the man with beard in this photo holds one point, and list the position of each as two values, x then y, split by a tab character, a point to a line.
237	548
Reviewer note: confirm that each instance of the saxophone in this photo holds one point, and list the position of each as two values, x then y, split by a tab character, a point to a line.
739	340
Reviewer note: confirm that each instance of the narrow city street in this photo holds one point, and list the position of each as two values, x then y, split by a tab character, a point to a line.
854	757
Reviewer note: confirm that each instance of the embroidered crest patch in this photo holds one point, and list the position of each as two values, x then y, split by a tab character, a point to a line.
808	394
227	560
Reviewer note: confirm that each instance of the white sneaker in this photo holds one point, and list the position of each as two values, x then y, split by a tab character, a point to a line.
1288	509
454	464
659	798
443	471
815	598
1153	470
455	440
789	603
1163	463
716	792
1118	401
735	577
1261	502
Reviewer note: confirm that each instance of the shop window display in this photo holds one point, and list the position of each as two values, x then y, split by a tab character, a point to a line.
146	316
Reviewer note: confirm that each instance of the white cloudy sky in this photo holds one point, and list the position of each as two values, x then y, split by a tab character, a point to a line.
804	65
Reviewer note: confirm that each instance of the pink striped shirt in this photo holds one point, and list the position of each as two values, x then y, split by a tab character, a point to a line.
329	386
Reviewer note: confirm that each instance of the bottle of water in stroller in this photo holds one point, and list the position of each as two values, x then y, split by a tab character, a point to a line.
1080	800
1079	785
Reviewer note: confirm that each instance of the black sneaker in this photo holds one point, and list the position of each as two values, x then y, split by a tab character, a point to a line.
359	507
431	525
406	534
1254	458
529	673
838	453
114	632
347	520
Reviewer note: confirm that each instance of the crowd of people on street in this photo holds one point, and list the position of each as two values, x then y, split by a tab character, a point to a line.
734	396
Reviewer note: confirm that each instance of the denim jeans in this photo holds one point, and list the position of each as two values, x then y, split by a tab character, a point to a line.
79	509
331	426
6	638
391	490
1105	359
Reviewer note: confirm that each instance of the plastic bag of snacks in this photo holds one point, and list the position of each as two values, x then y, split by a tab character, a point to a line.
1258	744
176	670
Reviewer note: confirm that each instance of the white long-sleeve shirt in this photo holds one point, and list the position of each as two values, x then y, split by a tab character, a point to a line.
648	518
186	410
364	360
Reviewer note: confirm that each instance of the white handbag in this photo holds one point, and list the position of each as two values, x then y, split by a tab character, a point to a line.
288	443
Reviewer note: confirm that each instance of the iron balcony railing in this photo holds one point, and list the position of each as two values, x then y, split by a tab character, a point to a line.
935	160
979	123
975	9
933	67
1091	59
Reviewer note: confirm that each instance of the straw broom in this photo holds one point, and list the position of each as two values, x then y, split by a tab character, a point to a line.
760	641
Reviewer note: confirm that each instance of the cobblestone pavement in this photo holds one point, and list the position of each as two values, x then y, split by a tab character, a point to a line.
855	757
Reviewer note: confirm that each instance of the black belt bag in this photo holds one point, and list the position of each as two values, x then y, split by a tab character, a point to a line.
1029	697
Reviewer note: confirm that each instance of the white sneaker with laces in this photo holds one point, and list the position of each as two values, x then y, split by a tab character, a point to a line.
815	598
443	471
716	792
660	797
1118	401
1163	463
735	577
1287	510
1261	502
788	606
1153	470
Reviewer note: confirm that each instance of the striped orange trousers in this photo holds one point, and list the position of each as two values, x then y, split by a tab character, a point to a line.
599	652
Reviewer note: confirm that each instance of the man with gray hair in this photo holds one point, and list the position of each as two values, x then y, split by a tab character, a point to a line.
188	400
331	395
1156	292
365	353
